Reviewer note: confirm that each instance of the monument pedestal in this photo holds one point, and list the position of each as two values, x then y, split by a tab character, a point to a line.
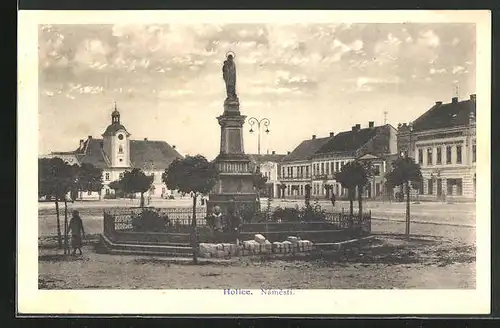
235	173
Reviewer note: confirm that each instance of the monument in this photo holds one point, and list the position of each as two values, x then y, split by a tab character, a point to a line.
235	185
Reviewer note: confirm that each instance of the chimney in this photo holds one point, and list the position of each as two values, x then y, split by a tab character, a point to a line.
473	97
173	146
288	152
90	137
439	103
313	137
145	139
354	128
371	124
454	100
331	134
81	143
358	127
273	152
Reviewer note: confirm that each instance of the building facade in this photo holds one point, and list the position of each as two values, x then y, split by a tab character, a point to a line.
371	145
116	153
268	165
443	142
295	170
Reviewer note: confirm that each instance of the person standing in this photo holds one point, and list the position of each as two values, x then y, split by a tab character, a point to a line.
332	199
77	231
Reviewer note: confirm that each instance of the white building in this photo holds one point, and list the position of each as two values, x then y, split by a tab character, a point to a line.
116	153
296	168
371	144
443	142
268	165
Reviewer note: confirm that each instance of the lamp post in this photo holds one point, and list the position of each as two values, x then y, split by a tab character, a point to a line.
262	122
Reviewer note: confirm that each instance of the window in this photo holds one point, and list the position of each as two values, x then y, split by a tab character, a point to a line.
283	174
120	149
337	167
376	170
473	153
307	171
322	168
121	160
107	191
438	155
106	176
121	175
429	156
448	154
420	156
331	167
120	136
327	169
459	154
89	193
301	190
421	187
430	186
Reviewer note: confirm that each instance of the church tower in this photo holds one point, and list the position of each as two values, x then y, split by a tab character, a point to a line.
116	142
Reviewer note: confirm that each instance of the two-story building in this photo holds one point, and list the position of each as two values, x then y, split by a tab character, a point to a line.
295	168
371	145
443	142
116	153
268	165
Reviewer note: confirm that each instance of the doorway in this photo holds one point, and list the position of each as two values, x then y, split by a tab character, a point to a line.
439	188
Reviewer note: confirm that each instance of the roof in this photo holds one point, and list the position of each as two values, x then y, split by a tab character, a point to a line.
142	153
113	128
306	149
266	158
158	153
447	115
349	141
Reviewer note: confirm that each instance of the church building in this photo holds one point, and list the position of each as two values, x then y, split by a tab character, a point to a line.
116	153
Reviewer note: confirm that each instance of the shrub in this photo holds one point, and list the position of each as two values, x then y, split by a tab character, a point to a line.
149	220
286	214
110	196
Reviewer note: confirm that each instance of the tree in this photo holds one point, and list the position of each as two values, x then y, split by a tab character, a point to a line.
404	173
88	178
259	183
353	175
55	179
191	175
136	181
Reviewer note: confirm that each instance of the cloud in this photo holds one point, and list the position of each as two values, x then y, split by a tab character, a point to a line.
428	39
433	71
92	53
361	81
458	70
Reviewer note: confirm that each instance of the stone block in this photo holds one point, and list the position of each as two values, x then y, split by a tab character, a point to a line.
259	238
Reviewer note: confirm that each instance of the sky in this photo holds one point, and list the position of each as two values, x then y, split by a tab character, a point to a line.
306	79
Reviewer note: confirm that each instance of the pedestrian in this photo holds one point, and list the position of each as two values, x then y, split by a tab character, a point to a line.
77	231
332	199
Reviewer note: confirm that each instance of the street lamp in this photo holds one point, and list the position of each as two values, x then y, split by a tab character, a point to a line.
262	122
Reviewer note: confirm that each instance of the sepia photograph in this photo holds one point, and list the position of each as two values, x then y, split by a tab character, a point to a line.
254	160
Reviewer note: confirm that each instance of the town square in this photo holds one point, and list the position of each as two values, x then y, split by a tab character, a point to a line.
257	156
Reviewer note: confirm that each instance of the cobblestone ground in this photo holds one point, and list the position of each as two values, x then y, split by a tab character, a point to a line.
386	262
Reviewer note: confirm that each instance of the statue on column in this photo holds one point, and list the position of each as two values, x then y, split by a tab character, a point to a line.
229	75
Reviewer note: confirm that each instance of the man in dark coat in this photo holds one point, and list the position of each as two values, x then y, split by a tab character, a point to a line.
76	230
